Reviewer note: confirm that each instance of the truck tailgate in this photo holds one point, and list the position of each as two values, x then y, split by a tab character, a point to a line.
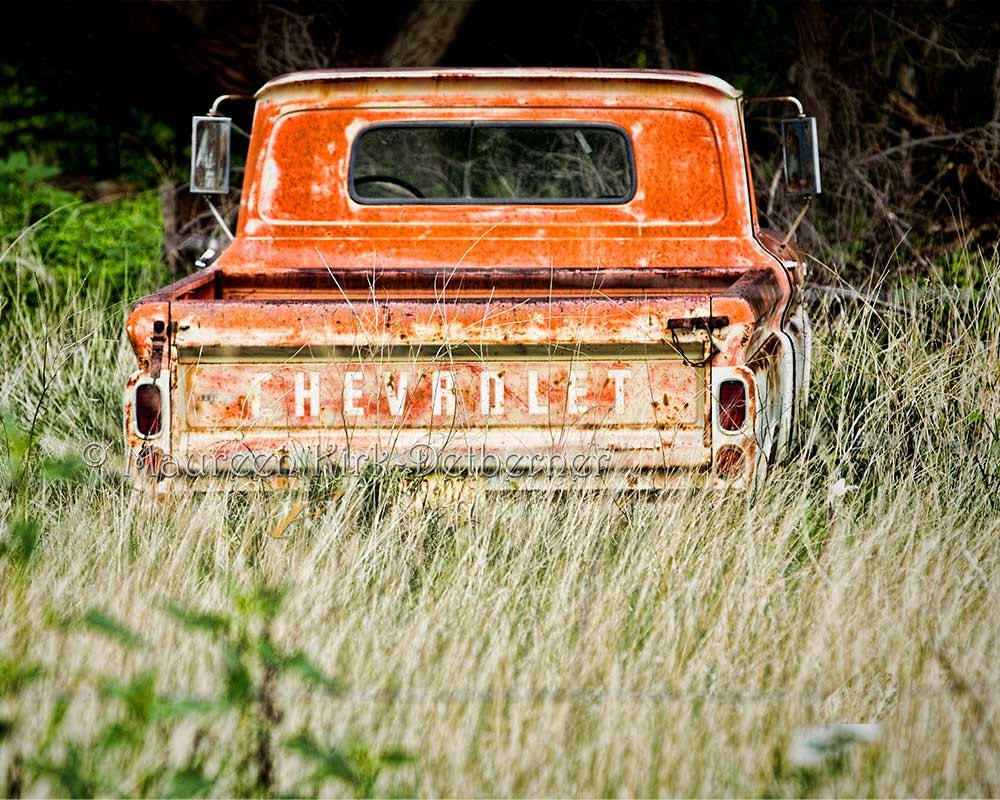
343	382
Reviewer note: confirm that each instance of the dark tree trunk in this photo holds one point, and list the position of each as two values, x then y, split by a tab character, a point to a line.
813	69
427	33
659	37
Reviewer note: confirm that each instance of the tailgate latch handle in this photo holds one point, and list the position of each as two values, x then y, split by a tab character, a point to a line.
159	340
707	324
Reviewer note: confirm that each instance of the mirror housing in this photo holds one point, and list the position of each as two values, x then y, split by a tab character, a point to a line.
801	156
210	138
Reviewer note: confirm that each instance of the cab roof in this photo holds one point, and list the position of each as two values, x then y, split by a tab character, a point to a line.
518	74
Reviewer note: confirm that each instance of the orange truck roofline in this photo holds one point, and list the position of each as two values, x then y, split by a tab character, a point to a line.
598	77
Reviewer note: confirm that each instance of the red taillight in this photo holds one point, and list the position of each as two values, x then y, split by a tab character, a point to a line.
732	405
147	409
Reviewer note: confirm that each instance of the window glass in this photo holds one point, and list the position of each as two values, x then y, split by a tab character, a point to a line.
473	162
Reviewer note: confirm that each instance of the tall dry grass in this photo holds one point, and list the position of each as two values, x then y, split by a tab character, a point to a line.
539	645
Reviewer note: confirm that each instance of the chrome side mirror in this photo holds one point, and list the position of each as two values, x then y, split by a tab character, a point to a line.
801	155
210	154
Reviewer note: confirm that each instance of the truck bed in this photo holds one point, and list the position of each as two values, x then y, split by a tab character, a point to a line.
515	282
299	366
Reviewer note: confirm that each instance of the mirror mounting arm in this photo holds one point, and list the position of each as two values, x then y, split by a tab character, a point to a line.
781	99
798	220
214	110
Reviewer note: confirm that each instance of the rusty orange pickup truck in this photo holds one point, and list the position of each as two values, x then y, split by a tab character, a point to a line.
526	276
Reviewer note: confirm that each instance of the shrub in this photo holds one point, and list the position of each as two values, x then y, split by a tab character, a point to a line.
50	239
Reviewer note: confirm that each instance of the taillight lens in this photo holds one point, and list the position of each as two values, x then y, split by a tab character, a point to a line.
147	409
732	405
729	461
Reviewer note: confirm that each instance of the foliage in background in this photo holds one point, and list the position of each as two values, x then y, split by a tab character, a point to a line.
910	163
25	198
87	143
907	94
50	239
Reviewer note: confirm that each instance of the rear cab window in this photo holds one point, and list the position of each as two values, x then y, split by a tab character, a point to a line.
492	162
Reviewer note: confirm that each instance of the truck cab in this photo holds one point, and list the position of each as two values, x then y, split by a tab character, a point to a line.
522	275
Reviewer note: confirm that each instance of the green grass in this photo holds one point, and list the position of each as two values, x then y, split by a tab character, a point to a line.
544	645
